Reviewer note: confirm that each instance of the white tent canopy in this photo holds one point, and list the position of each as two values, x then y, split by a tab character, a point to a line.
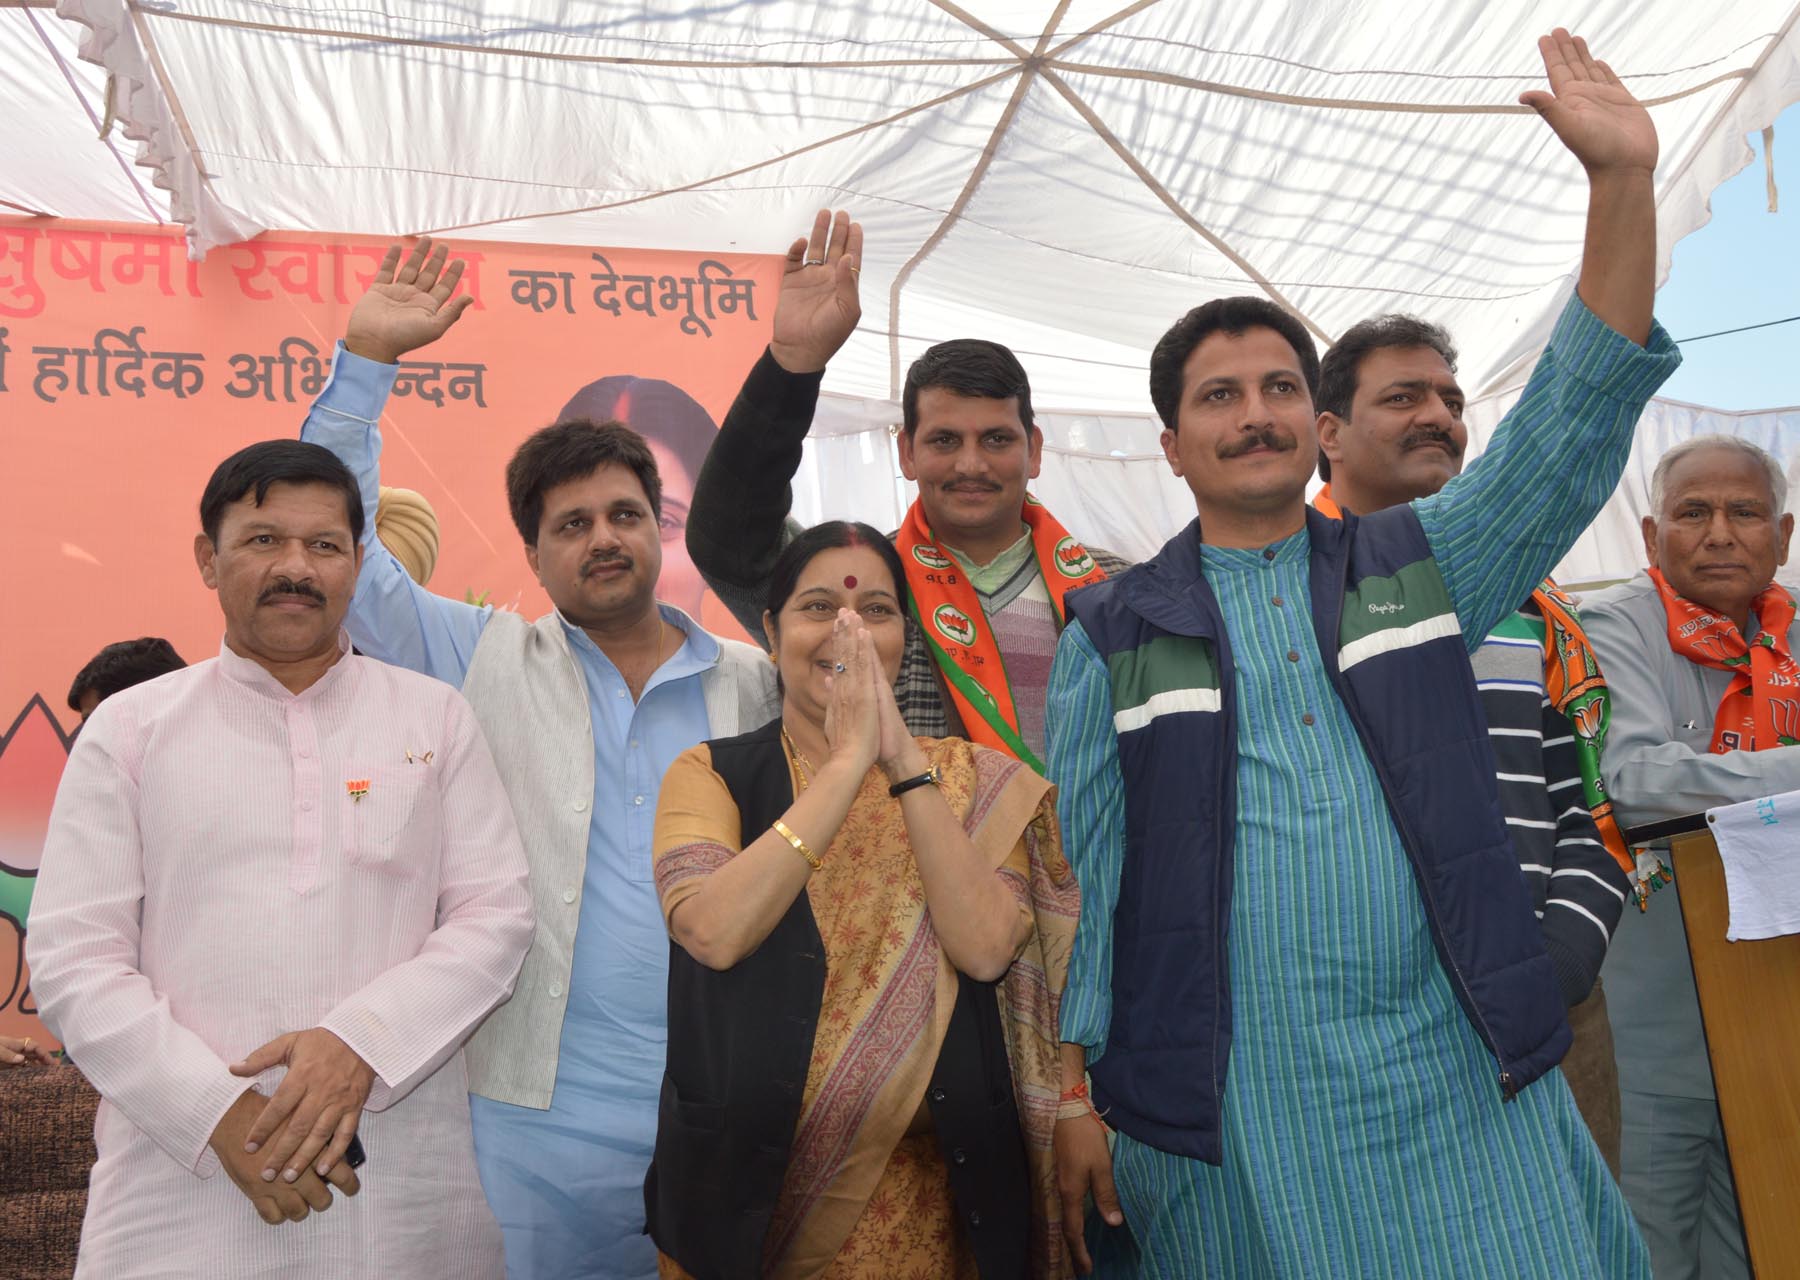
1065	177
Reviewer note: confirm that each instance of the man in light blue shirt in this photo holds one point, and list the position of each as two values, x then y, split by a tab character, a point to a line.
584	710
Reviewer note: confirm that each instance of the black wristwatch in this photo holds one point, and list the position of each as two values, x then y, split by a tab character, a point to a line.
928	778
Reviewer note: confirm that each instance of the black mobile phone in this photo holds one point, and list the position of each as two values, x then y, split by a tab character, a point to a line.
354	1155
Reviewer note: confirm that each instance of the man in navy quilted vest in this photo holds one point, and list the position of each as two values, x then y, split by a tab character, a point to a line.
1308	993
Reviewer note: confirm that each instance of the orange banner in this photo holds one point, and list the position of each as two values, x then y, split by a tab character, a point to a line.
127	373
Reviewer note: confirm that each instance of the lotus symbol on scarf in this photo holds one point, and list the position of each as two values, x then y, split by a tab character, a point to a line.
1589	718
1711	645
953	624
1072	559
1786	714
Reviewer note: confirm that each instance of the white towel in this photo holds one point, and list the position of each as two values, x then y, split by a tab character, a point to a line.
1759	843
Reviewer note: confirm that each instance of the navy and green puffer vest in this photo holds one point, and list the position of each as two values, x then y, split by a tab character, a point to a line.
1395	653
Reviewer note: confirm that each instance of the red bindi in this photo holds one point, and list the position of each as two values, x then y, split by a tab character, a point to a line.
850	580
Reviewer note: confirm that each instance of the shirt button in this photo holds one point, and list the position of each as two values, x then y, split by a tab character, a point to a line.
1293	655
1307	718
621	693
556	988
580	806
974	1217
305	753
1268	553
1276	601
634	744
938	1095
568	895
959	1156
637	799
306	805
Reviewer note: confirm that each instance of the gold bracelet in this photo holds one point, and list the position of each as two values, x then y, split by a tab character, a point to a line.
787	833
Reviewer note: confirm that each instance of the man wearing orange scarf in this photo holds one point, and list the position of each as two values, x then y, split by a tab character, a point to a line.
987	566
1391	430
1699	653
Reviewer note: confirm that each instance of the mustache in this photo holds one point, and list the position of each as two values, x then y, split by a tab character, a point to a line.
1260	438
287	588
1419	437
611	560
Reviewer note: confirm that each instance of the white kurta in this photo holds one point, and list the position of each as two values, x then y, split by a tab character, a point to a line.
210	881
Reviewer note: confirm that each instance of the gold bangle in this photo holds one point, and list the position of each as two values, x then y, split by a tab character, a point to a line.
787	833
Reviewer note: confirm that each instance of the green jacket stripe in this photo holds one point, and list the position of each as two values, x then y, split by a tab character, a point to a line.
1408	607
1164	676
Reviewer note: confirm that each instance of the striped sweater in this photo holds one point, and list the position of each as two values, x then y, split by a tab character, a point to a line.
1577	889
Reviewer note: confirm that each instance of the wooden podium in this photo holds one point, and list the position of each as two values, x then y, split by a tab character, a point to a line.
1750	1004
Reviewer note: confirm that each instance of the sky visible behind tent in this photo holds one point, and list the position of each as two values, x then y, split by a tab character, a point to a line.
1742	268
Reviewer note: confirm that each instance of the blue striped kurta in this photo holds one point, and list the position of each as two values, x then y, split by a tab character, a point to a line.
1364	1132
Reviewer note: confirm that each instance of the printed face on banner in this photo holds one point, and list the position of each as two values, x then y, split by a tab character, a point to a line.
127	372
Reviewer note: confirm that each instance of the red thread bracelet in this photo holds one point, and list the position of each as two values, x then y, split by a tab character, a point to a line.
1079	1093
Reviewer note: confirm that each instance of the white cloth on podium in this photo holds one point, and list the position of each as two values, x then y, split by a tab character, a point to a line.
1759	843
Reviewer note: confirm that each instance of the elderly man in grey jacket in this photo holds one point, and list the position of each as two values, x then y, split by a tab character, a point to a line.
584	709
1694	649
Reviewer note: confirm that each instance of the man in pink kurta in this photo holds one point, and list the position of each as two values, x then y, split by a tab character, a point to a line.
299	863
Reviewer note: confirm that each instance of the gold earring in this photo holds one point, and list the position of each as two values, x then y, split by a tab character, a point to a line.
772	657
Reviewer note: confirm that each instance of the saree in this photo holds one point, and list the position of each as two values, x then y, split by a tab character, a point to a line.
865	1193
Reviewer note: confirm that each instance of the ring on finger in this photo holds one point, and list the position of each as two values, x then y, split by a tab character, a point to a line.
812	262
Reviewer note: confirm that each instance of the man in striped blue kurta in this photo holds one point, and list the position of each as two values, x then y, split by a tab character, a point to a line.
1307	980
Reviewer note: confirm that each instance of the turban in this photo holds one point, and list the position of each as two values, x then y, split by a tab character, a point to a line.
408	527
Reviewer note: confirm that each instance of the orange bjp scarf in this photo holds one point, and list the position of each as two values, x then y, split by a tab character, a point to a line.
1575	686
1750	716
949	612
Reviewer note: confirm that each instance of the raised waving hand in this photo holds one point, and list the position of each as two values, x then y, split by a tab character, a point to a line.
819	306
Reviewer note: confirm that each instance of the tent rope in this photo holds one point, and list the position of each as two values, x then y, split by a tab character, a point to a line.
1175	206
976	174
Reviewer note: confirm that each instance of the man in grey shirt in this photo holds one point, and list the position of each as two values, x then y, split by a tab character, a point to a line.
1666	640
